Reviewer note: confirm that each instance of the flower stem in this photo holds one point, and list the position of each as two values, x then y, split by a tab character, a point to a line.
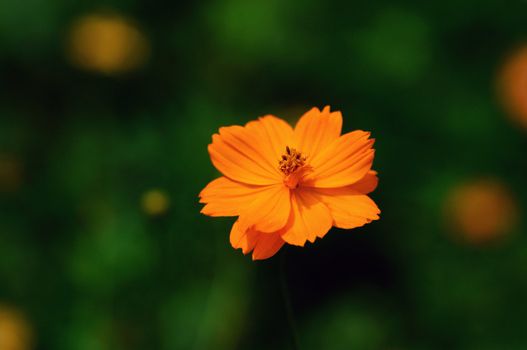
287	302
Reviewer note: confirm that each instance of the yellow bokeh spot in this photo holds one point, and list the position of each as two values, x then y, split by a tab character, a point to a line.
107	43
155	202
512	84
10	174
482	211
15	332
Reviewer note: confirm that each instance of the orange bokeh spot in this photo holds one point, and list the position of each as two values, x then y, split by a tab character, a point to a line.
512	85
15	332
482	211
107	43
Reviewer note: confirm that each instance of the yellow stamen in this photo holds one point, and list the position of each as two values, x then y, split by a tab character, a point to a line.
291	161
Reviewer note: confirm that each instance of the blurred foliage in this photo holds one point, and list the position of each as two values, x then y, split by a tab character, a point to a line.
105	113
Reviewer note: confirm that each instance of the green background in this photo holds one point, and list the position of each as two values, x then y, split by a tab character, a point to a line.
91	270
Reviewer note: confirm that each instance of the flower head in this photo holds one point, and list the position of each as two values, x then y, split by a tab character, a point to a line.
290	185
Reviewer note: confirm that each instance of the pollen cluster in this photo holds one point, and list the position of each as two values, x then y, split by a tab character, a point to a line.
291	161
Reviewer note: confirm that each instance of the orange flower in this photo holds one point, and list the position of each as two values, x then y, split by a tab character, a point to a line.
290	185
512	86
480	212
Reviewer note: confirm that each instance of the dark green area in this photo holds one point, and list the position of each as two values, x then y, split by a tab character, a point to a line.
91	270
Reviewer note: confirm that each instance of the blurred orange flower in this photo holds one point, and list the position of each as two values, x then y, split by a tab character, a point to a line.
512	84
290	185
481	211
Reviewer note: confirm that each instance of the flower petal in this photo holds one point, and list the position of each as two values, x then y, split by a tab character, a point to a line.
268	244
315	130
269	210
274	133
310	218
249	154
254	144
368	183
265	245
344	162
225	197
349	208
240	239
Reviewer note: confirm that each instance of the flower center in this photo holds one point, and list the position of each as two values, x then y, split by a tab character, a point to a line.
293	166
291	161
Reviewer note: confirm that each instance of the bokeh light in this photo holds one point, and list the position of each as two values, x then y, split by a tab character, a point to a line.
512	85
238	27
395	46
10	173
107	43
155	202
350	322
125	252
482	211
15	331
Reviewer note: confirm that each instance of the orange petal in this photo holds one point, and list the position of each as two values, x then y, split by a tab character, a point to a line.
273	133
269	210
255	146
348	207
234	164
224	197
344	162
368	183
249	154
268	244
265	245
310	218
315	130
240	239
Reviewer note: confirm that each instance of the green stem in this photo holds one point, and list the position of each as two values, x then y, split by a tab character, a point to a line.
287	302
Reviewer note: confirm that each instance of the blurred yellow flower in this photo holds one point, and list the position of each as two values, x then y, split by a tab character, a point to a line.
15	332
481	211
155	202
107	43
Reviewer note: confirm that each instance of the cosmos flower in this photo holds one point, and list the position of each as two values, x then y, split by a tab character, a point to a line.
290	185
